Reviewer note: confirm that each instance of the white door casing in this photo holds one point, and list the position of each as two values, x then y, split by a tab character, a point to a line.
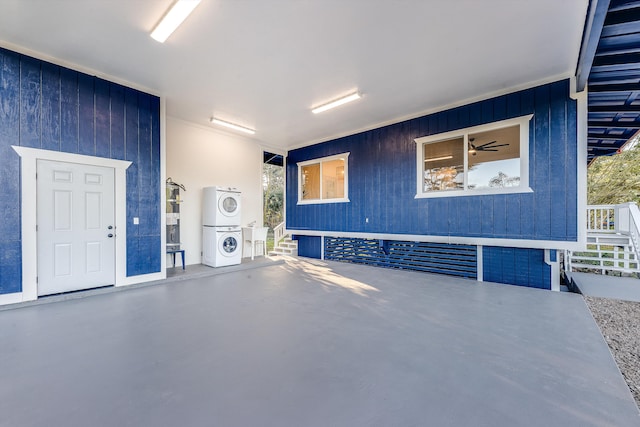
28	158
75	223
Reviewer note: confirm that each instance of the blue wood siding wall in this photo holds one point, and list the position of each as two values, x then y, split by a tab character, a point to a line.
382	176
516	266
46	106
309	246
382	184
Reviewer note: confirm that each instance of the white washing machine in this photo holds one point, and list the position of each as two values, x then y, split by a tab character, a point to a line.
221	246
221	206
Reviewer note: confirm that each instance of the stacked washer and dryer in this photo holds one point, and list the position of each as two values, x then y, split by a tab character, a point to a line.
221	231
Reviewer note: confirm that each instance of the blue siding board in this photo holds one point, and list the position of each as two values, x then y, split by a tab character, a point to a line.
542	153
484	218
512	216
516	266
132	200
103	119
30	95
50	107
509	266
382	177
117	124
10	270
69	111
10	184
9	98
571	177
499	222
500	108
10	253
309	246
133	263
513	104
86	120
158	209
46	106
558	149
146	186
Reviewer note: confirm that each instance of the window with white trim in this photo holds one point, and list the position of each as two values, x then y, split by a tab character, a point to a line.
324	180
486	159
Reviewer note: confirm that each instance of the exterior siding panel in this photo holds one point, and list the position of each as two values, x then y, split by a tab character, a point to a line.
46	106
382	177
382	183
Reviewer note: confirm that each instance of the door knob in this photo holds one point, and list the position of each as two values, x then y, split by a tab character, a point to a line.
110	227
109	235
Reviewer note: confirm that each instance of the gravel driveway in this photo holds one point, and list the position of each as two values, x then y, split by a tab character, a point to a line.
619	322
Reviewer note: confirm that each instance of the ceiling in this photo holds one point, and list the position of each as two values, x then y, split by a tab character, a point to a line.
614	80
264	64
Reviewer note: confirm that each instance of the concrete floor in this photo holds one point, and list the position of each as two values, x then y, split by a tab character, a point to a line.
311	343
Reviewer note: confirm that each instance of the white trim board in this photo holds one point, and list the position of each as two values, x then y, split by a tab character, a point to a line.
581	159
28	161
523	122
483	241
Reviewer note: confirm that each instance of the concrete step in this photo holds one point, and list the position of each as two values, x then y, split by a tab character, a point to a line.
287	246
291	245
284	251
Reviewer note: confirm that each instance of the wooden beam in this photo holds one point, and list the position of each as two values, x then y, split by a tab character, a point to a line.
613	125
590	38
608	137
614	109
621	59
622	87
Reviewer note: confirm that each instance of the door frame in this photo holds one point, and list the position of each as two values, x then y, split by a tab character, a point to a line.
28	162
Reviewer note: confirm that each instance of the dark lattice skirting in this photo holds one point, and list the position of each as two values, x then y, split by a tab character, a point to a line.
453	260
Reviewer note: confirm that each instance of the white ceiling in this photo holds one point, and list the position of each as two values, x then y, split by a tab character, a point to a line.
265	63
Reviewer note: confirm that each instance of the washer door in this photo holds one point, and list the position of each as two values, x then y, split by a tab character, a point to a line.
228	244
229	204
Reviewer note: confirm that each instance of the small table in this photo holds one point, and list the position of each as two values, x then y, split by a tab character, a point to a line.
173	253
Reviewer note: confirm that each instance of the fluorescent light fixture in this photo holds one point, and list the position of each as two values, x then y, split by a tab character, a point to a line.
435	159
231	126
173	18
336	103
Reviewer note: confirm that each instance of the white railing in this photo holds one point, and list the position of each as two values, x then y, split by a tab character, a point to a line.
279	233
601	218
613	240
628	222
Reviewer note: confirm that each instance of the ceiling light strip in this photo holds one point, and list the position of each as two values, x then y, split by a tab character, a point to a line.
336	103
232	126
173	18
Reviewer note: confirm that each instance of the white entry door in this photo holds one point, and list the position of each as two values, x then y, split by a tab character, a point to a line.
75	224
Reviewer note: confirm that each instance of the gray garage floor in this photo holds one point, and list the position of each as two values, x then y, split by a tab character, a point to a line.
311	344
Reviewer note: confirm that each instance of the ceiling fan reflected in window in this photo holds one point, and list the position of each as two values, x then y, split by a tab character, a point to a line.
488	146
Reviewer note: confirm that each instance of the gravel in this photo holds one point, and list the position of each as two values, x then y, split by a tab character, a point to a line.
619	322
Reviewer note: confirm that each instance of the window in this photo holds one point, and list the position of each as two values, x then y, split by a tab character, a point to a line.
323	180
485	159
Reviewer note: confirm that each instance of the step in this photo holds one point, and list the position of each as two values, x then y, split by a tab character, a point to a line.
291	245
609	239
284	251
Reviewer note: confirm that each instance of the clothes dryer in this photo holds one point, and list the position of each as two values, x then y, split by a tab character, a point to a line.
221	206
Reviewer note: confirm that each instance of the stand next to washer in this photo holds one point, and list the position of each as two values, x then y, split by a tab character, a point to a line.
173	253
